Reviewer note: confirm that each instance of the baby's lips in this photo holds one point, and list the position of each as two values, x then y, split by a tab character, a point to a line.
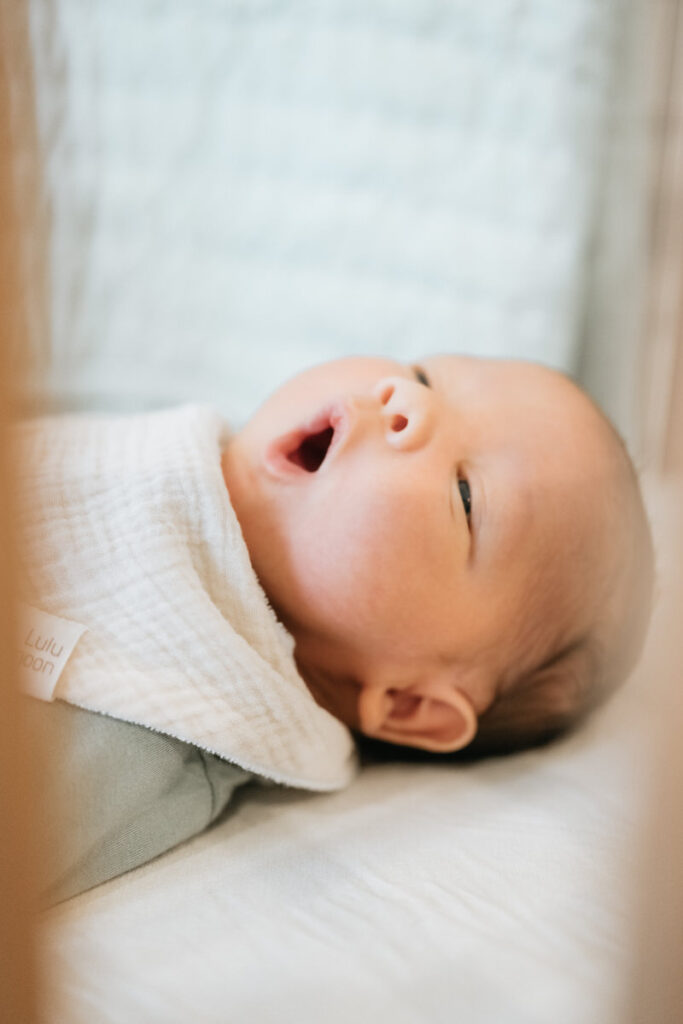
303	452
276	458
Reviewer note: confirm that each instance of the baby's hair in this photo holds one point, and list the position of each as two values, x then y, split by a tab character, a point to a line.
555	697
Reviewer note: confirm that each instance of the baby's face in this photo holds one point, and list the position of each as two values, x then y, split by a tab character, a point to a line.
438	522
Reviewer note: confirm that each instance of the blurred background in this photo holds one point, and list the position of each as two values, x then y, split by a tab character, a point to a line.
230	190
199	199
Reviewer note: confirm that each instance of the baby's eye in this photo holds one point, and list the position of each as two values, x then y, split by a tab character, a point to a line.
421	377
466	496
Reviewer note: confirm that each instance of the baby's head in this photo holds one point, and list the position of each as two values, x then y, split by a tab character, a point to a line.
459	548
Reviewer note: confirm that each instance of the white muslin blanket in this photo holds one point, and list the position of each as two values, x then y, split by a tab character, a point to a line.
128	530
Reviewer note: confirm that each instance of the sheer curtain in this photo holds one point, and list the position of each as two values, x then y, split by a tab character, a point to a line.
628	345
237	190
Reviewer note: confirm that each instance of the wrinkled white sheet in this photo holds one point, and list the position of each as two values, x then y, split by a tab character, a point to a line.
238	189
493	894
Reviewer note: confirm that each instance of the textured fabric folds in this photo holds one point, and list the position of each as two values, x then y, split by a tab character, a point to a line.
128	529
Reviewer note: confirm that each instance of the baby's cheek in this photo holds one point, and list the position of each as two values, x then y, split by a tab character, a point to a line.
377	574
340	558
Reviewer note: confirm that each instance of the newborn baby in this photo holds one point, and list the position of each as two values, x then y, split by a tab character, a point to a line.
459	548
452	556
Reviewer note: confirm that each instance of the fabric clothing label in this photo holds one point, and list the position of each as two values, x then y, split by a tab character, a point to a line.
46	643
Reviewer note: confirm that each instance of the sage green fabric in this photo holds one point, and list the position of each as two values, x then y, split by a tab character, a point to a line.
115	795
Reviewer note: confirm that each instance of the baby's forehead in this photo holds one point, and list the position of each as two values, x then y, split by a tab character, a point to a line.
519	404
463	371
549	464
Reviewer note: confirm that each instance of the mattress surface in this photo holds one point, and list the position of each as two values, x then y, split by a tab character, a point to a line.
495	892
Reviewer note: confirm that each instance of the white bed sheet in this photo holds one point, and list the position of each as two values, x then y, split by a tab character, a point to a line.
500	892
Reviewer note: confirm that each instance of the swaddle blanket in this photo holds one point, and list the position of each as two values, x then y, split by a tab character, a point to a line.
128	530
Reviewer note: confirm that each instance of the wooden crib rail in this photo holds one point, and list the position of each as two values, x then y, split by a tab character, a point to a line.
656	996
19	992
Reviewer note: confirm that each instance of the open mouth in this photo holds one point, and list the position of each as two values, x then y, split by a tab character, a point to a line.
310	453
305	450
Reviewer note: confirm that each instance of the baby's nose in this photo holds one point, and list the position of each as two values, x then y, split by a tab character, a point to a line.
407	412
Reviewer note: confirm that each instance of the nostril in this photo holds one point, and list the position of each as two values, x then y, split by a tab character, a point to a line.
386	393
399	423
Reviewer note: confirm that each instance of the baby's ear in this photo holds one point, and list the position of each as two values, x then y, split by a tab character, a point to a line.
432	714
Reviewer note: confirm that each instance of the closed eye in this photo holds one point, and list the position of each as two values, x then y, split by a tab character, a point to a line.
466	495
463	485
